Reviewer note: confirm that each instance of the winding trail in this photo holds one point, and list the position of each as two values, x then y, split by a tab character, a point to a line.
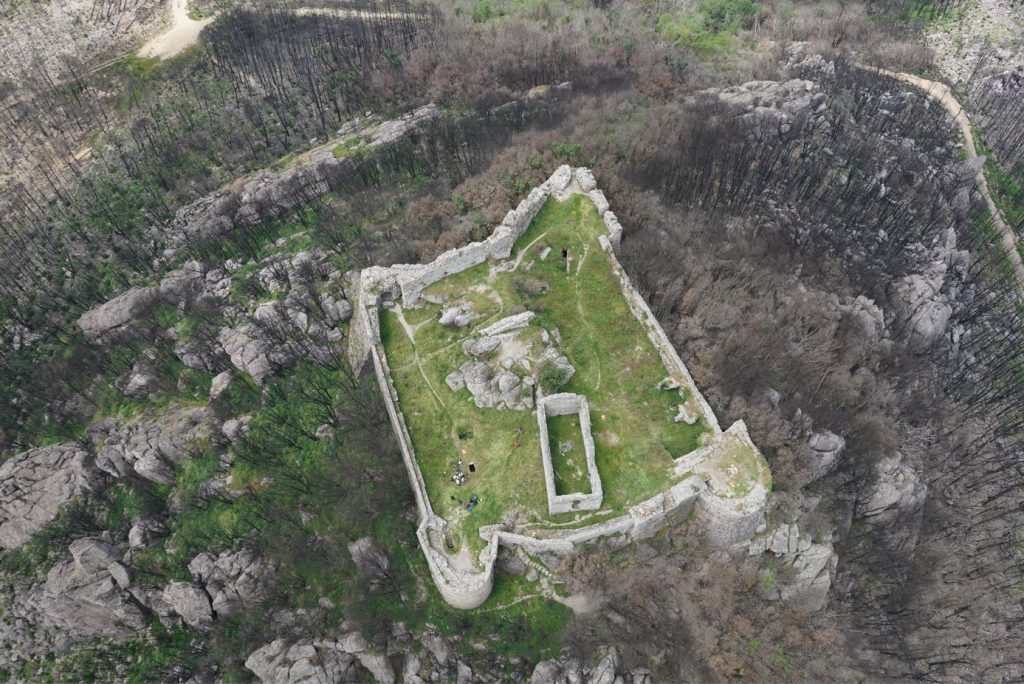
942	93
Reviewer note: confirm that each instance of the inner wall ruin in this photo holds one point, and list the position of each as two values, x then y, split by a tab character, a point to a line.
564	404
729	521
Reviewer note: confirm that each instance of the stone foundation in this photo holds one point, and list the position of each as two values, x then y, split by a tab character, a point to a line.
562	405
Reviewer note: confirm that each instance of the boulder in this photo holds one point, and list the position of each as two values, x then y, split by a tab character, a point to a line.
457	316
826	448
150	444
183	284
895	503
514	322
35	484
235	428
80	598
219	384
921	309
145	531
370	560
191	603
313	661
866	319
804	572
141	380
199	354
235	582
113	320
250	353
481	347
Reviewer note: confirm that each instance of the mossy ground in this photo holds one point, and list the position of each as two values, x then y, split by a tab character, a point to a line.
617	369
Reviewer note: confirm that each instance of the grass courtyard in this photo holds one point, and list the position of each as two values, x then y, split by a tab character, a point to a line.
617	369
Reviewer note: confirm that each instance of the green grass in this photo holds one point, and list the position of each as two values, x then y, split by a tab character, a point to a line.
571	466
352	147
617	369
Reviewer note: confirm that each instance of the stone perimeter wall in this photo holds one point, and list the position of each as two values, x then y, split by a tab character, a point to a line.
564	404
729	521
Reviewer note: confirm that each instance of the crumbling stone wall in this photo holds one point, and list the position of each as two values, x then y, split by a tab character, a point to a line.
564	404
729	521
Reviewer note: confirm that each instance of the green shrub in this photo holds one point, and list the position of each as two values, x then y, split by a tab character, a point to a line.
483	11
553	377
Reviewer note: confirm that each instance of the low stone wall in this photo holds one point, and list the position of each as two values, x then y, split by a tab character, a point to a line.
643	520
669	356
414	279
562	405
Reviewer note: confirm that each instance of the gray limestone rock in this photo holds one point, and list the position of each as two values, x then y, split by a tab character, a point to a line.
315	661
457	316
235	582
302	663
183	284
80	598
921	308
149	445
200	355
252	354
481	347
826	448
145	531
113	320
191	603
806	571
35	484
896	503
219	384
370	560
235	428
513	322
866	318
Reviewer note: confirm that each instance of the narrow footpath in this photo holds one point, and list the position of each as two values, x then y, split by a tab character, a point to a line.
941	93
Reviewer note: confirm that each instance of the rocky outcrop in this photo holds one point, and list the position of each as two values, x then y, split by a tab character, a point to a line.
143	378
370	560
144	531
826	448
457	316
235	582
201	354
35	484
921	308
81	597
149	446
895	504
567	670
250	353
345	659
270	192
113	320
492	389
779	109
803	572
191	603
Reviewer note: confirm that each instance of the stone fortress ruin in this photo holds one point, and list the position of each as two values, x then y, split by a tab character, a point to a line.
724	481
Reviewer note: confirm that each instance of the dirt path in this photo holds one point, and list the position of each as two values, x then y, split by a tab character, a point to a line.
183	33
411	333
942	93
